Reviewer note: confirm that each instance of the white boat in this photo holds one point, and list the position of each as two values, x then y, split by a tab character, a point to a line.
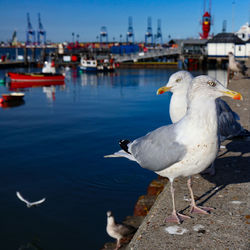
91	65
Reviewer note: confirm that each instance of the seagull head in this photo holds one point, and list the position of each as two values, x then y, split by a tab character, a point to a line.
109	213
207	87
179	81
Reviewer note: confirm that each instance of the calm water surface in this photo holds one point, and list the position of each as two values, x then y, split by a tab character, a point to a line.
53	146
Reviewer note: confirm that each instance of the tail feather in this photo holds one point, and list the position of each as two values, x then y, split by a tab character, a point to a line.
121	153
124	145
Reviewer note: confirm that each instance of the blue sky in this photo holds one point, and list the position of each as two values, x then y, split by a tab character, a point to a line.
180	19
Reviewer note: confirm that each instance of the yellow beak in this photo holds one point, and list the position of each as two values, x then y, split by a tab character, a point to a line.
233	94
163	90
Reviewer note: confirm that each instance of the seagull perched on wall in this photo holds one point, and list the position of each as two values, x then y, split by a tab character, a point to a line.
236	66
184	148
117	231
179	84
28	203
228	124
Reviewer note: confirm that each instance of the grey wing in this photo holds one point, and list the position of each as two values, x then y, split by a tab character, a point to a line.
227	120
124	229
241	66
159	149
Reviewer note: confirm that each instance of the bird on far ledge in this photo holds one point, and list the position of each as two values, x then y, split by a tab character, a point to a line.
184	148
236	66
118	231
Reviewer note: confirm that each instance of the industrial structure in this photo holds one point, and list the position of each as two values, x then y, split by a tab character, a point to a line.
149	33
103	34
130	34
158	35
206	21
30	32
40	32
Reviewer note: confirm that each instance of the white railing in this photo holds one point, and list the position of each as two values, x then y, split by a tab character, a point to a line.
152	53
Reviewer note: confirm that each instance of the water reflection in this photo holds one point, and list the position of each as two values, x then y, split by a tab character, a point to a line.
99	78
49	88
23	85
12	104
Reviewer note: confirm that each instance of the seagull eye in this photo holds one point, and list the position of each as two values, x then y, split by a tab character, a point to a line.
211	83
178	80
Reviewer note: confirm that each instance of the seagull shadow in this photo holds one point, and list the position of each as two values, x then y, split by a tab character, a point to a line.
232	167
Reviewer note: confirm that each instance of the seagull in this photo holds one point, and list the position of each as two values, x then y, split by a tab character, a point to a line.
179	84
186	147
29	204
117	231
236	66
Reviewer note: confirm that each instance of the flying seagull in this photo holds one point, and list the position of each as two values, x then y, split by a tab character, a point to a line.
117	231
28	203
236	66
179	84
184	148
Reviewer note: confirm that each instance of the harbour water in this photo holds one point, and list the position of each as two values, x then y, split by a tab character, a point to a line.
53	146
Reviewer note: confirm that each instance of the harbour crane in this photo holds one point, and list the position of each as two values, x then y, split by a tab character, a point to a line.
40	32
104	33
30	33
130	33
158	35
149	33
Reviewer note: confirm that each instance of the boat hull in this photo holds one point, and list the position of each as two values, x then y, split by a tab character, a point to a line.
13	97
35	77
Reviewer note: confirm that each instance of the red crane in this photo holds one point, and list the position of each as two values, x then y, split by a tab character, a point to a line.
206	21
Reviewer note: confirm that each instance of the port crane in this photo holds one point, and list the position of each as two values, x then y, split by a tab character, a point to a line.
40	32
149	33
130	33
158	35
104	33
30	33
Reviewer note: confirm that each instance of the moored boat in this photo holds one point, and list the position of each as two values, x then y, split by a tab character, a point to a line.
12	97
35	77
91	65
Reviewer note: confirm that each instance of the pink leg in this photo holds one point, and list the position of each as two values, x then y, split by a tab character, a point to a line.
194	207
175	217
118	244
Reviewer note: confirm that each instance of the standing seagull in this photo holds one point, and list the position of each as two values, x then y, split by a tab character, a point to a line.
179	84
184	148
236	66
117	231
29	204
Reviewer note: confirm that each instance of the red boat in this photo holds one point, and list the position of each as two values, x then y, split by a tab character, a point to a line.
12	97
35	77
